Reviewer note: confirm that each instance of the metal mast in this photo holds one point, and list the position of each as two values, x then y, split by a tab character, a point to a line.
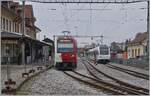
23	34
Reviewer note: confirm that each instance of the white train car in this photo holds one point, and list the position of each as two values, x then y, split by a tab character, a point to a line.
100	53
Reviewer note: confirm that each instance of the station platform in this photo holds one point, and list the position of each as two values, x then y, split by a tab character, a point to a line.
18	74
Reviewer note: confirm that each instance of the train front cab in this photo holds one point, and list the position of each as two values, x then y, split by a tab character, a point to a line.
66	61
104	54
66	55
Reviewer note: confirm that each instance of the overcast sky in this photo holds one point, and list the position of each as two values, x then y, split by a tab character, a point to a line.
117	22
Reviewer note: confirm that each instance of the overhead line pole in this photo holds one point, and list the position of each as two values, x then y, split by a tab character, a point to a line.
148	16
23	34
148	29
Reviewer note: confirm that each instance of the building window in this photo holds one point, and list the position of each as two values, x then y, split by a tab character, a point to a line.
3	24
7	25
10	26
20	28
7	50
17	27
14	26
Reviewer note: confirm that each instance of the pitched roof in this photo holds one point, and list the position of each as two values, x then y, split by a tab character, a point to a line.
140	37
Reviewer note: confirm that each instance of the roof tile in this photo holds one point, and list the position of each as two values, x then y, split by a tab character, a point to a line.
140	37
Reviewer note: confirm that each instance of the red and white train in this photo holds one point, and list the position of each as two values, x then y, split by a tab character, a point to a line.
65	52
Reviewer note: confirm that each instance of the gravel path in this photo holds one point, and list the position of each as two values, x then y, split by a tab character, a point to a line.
54	82
124	77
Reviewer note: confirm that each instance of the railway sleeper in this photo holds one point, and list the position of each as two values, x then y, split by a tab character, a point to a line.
125	89
121	82
129	72
98	85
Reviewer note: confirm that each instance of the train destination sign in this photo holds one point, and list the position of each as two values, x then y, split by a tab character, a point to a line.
64	40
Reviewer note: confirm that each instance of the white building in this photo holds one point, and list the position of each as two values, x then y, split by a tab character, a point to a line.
138	46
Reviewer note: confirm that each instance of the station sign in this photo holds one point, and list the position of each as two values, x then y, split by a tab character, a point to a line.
64	40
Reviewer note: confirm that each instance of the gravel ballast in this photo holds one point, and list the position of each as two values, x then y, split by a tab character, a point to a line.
124	76
54	82
131	68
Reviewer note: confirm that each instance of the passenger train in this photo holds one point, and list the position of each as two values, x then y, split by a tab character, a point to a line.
65	53
100	53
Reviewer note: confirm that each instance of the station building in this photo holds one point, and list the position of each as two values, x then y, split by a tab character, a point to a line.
138	46
12	37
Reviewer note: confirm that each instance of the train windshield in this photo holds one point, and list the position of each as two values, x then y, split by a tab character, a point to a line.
64	47
104	50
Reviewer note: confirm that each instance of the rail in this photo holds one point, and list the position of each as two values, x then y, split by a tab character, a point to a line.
134	73
122	83
94	82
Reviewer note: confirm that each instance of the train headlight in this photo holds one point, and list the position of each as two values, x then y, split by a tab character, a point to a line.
72	55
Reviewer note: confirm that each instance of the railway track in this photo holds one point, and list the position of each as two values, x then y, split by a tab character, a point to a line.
134	73
116	90
137	89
